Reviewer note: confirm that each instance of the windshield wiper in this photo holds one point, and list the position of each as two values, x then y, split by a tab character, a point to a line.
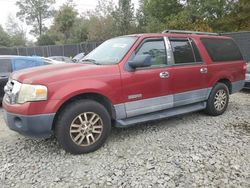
90	60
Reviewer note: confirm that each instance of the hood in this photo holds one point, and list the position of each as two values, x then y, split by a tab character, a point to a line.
61	72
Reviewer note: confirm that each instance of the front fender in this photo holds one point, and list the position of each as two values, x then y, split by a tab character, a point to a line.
64	91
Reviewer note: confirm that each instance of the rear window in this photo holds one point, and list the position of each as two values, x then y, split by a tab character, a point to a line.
222	49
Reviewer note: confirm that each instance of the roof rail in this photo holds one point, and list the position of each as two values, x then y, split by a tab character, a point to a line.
190	32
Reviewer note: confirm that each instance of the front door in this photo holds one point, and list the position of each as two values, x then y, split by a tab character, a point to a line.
148	89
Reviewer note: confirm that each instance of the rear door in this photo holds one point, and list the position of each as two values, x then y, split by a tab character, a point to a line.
189	72
5	70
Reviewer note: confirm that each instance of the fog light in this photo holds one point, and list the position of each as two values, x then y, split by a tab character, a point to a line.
18	122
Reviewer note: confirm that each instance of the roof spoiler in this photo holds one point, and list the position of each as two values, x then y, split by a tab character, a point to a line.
190	32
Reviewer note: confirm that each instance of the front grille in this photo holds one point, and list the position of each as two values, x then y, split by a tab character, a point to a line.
10	91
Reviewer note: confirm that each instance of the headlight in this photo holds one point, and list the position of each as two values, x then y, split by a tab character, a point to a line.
30	93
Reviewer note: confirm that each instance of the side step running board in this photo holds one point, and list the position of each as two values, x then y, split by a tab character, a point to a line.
160	115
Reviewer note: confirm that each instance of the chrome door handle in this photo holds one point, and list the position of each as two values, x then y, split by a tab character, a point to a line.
164	74
203	70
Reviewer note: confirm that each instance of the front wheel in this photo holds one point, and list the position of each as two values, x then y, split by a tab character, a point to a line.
83	126
218	100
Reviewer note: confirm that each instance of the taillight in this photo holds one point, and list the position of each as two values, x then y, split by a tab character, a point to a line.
245	67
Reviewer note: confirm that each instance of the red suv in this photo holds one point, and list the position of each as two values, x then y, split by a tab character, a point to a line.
126	80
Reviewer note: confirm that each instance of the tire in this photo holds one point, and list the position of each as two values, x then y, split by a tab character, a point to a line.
218	100
75	123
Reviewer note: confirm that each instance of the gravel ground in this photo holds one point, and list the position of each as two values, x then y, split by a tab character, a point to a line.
194	150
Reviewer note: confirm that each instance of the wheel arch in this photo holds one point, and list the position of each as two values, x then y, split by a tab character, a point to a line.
227	82
92	96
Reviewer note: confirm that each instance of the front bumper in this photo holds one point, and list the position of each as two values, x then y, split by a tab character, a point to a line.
38	126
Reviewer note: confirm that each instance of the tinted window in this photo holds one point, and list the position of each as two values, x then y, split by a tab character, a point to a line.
5	65
196	52
182	50
156	49
222	49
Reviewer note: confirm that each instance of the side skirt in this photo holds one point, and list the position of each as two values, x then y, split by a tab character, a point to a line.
160	115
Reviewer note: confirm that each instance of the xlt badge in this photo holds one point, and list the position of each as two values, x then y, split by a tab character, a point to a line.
135	96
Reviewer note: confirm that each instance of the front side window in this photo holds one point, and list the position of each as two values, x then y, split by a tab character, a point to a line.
182	50
156	49
5	65
222	49
111	51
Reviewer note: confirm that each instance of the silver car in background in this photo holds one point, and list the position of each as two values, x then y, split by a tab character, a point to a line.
247	82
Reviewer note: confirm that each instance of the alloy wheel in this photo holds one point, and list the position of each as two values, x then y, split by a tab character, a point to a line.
86	129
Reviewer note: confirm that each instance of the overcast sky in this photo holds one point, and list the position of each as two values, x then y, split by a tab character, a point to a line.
8	7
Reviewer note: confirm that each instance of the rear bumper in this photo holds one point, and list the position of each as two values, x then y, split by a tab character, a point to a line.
237	86
247	85
38	126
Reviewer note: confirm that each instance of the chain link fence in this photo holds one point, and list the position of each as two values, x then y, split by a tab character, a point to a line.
69	50
241	38
243	41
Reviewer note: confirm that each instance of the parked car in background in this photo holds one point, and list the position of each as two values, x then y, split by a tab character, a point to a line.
247	82
78	57
48	61
10	64
61	58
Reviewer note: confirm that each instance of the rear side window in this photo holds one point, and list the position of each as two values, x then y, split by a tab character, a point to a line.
182	50
5	65
222	49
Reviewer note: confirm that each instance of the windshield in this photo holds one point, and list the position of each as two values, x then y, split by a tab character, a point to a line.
248	68
110	52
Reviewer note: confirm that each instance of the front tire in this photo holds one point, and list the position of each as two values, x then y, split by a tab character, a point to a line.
218	100
83	126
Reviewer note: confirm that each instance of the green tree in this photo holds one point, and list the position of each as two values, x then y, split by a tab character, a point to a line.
16	32
5	40
65	19
239	17
35	12
154	15
45	39
123	17
162	9
79	31
100	22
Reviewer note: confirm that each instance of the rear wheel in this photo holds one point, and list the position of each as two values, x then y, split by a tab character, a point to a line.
218	100
83	126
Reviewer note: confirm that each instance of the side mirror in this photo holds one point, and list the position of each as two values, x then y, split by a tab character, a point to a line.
140	61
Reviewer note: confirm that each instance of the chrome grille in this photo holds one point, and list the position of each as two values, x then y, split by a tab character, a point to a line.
11	93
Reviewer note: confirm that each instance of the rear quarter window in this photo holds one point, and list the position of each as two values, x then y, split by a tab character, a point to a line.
221	50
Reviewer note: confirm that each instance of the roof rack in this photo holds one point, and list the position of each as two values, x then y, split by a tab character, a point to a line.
190	32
